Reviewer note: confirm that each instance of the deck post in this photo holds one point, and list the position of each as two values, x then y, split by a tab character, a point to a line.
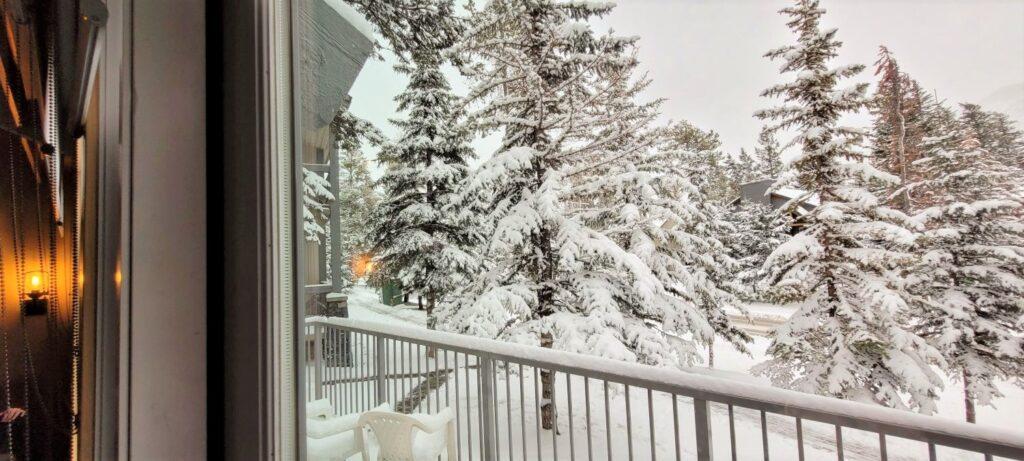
381	362
318	362
487	407
702	426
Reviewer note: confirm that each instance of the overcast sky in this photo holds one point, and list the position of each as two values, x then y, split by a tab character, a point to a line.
705	57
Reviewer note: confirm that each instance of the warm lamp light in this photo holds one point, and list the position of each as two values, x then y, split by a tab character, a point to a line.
35	284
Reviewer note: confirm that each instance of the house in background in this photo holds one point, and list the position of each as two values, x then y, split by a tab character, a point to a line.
334	50
759	192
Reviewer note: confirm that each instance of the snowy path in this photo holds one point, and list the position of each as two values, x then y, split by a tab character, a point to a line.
514	392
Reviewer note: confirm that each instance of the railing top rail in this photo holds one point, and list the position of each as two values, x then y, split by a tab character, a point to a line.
940	431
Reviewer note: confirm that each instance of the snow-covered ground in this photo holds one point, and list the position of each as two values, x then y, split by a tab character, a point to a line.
515	392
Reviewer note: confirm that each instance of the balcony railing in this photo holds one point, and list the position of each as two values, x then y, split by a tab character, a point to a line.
613	410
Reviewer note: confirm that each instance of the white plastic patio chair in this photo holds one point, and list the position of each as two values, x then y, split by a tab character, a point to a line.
403	437
330	437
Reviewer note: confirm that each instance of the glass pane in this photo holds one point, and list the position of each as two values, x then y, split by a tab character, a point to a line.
648	214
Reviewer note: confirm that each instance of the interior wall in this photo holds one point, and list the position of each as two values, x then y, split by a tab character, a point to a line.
168	277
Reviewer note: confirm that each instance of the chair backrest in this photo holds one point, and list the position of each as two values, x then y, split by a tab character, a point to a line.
394	433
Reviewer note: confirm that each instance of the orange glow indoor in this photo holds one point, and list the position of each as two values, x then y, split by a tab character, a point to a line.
35	282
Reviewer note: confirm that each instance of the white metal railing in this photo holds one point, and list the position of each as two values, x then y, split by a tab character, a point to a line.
606	409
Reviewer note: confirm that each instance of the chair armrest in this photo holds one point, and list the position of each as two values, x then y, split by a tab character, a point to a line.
320	428
435	423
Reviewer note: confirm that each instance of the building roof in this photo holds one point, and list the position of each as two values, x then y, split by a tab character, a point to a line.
760	192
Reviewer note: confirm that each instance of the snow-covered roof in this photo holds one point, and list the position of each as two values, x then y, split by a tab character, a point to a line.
792	193
352	16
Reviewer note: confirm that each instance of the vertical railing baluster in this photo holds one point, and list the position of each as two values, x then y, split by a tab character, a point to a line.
607	421
480	407
458	415
318	362
554	414
486	374
522	409
839	442
702	427
988	457
675	426
931	452
351	389
629	424
650	422
497	404
536	401
345	359
381	365
799	439
369	370
732	432
586	398
396	372
469	412
357	366
337	374
764	434
418	382
568	404
883	451
508	408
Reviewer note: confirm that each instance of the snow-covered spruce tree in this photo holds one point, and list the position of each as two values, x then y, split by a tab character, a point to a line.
768	154
740	169
707	223
971	277
757	230
699	153
647	205
997	133
357	196
536	70
316	194
416	236
899	128
410	25
847	338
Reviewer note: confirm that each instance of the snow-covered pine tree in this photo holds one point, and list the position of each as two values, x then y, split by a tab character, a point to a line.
410	25
647	205
740	169
971	277
757	230
316	194
899	130
768	154
537	70
699	153
846	338
416	237
357	196
997	133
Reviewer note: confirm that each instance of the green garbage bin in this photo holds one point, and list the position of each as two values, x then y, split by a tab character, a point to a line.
391	293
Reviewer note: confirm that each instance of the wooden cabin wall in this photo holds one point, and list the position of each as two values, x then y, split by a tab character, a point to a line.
35	351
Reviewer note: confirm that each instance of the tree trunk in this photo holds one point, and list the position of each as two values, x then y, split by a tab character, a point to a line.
968	398
547	383
711	353
419	301
431	320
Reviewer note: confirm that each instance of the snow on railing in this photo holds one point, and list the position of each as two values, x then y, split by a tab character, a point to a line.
499	390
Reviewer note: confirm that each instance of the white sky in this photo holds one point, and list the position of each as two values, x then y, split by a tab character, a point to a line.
705	56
